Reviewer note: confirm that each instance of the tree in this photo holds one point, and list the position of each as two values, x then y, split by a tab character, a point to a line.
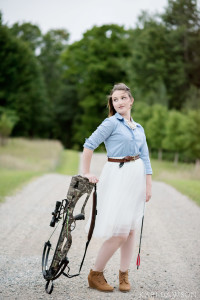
148	69
156	128
28	33
21	84
54	42
182	13
192	132
182	22
165	59
192	101
8	119
47	48
93	65
141	112
175	134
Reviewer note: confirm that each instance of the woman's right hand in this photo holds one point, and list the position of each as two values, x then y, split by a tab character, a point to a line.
92	178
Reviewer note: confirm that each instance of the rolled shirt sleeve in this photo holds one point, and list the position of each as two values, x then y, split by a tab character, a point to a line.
102	132
145	156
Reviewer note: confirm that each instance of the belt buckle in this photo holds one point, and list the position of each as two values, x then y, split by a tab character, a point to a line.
133	157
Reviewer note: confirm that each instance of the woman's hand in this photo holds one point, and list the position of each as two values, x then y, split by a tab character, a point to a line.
92	178
148	187
148	193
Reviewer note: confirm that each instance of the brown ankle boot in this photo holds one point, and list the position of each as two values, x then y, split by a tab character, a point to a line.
124	284
97	281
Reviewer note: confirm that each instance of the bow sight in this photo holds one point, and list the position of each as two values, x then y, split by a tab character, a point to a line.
56	213
54	259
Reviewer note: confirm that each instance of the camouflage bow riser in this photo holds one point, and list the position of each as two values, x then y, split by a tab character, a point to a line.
78	187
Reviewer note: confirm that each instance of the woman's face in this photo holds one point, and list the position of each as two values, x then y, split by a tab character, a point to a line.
122	102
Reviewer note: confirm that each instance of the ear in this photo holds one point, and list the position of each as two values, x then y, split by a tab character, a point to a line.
132	100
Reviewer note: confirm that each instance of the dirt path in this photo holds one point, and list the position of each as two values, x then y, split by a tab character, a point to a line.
170	265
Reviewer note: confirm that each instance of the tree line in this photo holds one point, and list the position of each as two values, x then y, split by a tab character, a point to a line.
52	89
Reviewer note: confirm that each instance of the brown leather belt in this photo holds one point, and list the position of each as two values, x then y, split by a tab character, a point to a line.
124	159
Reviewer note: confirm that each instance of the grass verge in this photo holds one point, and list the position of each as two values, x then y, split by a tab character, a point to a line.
23	159
69	163
184	177
191	188
12	180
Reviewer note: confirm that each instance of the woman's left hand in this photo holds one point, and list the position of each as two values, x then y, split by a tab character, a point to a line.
148	187
148	193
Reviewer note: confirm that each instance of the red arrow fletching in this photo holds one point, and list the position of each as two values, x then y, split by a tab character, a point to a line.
138	261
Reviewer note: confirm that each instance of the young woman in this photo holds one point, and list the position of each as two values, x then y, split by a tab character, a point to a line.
123	187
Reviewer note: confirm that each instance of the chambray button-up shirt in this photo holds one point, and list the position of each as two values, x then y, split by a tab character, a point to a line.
120	140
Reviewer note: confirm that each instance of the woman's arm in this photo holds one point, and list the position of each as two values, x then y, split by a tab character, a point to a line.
87	157
148	187
102	132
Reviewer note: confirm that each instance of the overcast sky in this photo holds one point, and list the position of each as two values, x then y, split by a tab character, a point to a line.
77	16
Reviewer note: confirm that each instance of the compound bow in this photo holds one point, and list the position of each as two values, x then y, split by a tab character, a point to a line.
64	211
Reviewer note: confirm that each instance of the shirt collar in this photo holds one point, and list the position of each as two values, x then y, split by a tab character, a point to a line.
118	116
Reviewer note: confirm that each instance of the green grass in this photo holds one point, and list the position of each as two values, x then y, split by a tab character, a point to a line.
184	177
30	155
11	180
191	188
22	160
69	163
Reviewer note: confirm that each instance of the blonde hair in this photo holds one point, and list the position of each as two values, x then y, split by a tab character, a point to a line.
116	87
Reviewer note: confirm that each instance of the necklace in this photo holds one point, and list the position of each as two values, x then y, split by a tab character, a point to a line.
131	124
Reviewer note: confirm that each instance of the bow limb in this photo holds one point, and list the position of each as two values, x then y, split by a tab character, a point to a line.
64	242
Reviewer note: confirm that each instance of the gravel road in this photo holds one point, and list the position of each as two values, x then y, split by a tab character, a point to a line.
170	255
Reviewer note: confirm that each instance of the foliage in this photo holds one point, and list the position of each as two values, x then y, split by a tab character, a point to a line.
182	22
175	139
21	85
59	90
54	42
192	134
192	99
156	127
93	70
148	65
141	113
28	33
8	119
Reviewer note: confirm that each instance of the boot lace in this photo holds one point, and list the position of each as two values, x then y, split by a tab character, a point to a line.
124	278
101	278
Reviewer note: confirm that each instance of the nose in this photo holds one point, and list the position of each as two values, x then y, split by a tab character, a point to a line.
121	101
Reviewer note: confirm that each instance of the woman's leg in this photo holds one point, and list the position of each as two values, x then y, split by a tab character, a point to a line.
126	251
106	251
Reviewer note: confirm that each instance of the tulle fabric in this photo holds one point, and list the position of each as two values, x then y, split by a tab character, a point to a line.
121	195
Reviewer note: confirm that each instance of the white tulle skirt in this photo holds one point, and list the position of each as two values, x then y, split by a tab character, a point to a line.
121	195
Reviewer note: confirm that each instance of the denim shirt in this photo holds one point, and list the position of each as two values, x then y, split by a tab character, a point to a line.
120	140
